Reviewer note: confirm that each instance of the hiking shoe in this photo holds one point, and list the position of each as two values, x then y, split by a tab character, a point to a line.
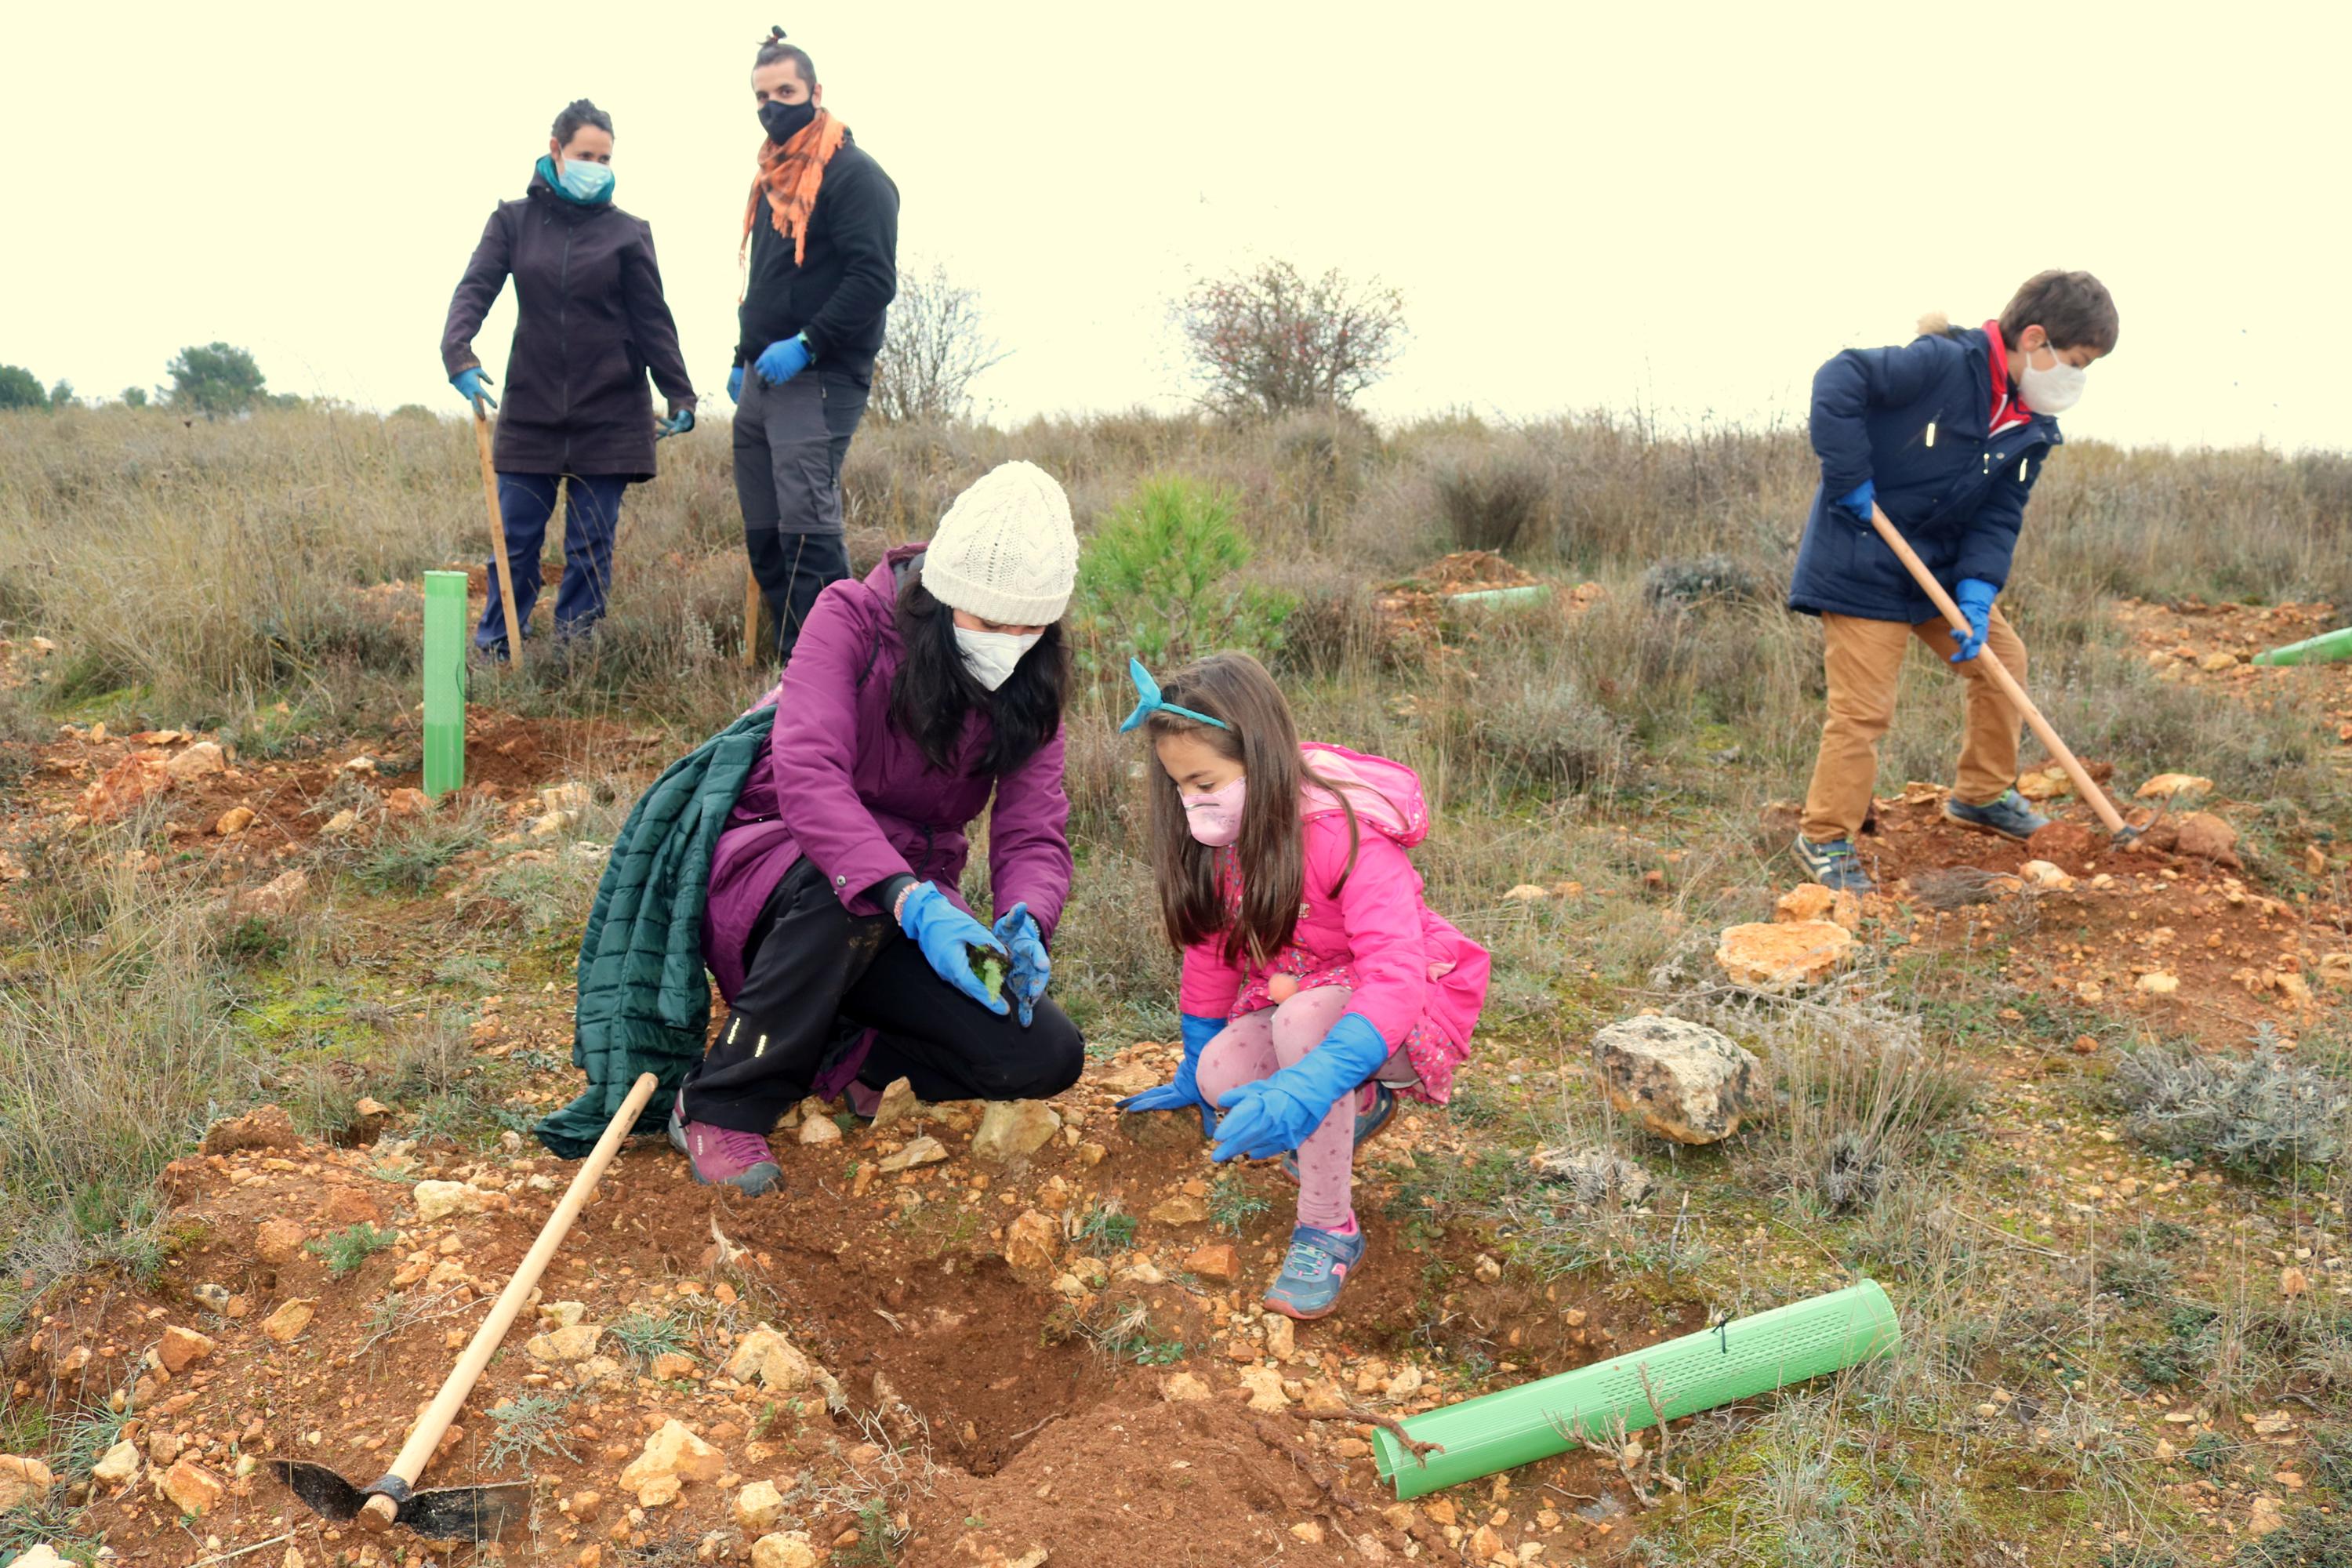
2008	817
1835	863
1314	1271
1367	1122
720	1156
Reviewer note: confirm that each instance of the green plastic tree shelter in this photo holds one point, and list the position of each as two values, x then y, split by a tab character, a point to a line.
1738	1361
445	682
2326	645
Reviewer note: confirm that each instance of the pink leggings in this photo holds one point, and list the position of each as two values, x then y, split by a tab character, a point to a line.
1256	1046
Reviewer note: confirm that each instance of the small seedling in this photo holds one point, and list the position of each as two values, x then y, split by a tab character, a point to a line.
989	965
1232	1204
345	1250
647	1335
1106	1231
527	1424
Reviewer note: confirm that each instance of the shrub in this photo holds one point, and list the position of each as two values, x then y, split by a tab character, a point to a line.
1541	735
1697	581
1492	500
2256	1113
932	351
1268	340
1157	580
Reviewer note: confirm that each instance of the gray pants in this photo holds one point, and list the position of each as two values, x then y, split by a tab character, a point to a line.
790	441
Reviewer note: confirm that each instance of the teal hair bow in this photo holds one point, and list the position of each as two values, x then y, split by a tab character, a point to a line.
1147	690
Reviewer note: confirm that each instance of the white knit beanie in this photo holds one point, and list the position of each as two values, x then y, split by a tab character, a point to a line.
1006	551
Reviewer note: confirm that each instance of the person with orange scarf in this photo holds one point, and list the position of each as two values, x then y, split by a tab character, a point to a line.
820	243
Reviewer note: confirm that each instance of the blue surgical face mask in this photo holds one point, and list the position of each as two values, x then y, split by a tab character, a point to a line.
586	182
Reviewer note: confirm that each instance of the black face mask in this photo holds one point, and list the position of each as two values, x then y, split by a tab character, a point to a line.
784	120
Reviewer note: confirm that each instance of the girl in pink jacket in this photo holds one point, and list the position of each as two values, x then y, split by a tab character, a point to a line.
1317	984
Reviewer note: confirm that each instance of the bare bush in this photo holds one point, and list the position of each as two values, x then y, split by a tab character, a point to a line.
1493	498
932	351
1268	340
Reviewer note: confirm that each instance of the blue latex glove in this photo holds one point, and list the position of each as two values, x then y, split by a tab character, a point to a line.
1974	597
1859	499
735	385
947	936
1184	1090
678	424
779	362
1017	929
470	383
1274	1115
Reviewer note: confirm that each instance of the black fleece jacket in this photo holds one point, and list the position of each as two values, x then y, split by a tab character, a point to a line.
839	292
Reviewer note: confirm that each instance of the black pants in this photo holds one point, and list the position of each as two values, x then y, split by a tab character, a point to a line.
790	444
814	975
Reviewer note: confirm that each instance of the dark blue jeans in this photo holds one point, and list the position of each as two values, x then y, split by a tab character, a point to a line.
591	514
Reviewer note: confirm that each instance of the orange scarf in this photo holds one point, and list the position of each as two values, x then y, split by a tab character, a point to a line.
790	177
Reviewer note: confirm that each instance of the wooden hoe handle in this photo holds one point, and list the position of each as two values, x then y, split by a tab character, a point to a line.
498	533
426	1436
2001	679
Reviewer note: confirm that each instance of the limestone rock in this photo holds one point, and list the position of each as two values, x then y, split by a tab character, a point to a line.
182	1349
1183	1388
820	1130
406	802
285	1324
1526	893
116	792
278	1242
2168	786
232	821
1218	1260
2266	1518
1679	1079
564	1345
120	1464
22	1479
2042	874
923	1150
40	1554
779	1366
2208	838
1132	1079
792	1549
280	895
1033	1245
672	1454
1264	1385
2159	983
1281	1337
1778	957
758	1506
439	1200
1181	1209
343	822
204	757
1010	1129
1592	1176
1811	902
898	1102
2216	662
192	1488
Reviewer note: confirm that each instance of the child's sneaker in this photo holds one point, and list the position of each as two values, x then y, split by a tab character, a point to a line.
1314	1271
1369	1120
2008	816
1835	863
720	1156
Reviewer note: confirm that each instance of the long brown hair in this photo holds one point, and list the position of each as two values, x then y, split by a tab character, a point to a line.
1271	851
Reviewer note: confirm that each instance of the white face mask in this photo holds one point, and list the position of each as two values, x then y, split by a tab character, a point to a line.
991	655
2052	391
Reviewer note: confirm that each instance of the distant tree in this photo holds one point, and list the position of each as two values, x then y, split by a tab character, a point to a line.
62	395
1268	340
135	397
214	379
931	350
20	388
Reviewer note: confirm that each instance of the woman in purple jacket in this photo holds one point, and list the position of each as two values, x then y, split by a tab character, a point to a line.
834	925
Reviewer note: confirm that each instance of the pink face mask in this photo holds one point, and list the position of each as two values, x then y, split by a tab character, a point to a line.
1215	818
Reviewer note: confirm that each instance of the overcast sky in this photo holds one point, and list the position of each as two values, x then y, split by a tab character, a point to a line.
1683	206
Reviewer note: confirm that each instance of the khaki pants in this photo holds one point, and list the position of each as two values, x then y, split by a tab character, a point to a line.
1864	660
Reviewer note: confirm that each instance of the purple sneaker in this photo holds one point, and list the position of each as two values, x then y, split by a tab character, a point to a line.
721	1156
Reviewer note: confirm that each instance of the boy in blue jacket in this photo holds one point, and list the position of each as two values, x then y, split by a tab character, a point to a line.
1948	437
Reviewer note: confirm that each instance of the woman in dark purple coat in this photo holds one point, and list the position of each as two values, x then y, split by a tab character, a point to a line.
835	925
593	322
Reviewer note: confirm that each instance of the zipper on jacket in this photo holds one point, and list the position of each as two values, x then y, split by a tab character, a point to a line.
564	326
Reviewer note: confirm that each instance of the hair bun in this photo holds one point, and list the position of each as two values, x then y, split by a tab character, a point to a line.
775	34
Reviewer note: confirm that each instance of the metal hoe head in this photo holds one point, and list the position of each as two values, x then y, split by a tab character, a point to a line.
475	1514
